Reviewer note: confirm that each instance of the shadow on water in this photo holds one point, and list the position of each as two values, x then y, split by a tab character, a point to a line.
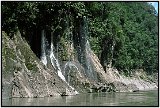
142	98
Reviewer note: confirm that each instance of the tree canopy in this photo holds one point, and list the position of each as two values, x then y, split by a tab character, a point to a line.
122	34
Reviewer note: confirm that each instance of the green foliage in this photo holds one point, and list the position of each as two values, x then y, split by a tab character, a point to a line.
130	28
133	27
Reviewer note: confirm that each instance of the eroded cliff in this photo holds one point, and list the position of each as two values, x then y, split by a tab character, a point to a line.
25	75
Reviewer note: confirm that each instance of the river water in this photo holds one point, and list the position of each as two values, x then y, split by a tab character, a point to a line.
142	98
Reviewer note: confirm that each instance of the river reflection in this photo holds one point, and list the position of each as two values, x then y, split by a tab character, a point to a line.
143	98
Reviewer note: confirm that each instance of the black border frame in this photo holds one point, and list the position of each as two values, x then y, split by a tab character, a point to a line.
82	106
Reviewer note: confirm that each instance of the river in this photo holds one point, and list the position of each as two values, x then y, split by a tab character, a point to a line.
141	98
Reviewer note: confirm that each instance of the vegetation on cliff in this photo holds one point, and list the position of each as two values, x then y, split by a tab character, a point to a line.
124	35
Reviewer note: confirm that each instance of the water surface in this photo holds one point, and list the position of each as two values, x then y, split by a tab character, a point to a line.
142	98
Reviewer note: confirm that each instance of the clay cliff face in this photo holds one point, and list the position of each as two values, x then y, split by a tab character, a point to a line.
24	75
60	65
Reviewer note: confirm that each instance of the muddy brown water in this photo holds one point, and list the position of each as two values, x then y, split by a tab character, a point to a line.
141	98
